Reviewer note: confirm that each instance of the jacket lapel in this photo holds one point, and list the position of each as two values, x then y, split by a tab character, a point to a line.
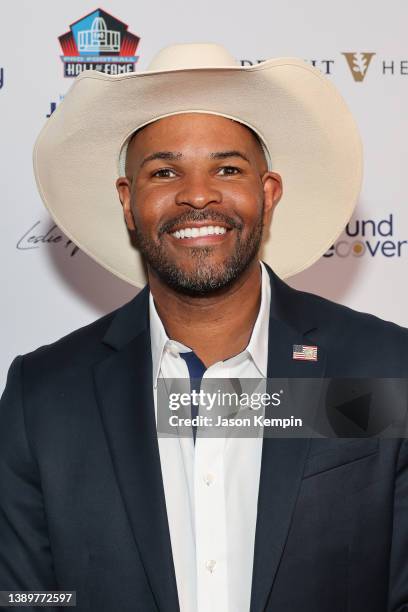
282	459
125	398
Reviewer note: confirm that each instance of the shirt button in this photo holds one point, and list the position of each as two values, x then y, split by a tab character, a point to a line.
210	565
208	479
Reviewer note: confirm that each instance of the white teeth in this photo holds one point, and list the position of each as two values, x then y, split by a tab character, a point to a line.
194	232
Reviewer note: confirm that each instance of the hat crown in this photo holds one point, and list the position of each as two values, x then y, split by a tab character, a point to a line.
191	55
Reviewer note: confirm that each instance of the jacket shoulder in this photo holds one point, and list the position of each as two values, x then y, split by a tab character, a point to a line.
304	309
82	345
358	344
90	343
338	317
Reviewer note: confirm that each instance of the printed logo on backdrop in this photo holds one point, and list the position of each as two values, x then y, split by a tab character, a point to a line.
369	238
324	65
100	42
39	236
358	64
53	105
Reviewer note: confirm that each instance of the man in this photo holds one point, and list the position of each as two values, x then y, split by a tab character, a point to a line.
92	499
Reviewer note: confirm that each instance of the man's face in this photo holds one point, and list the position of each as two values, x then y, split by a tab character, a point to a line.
197	195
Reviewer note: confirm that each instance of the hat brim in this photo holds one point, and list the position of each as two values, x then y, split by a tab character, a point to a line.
307	127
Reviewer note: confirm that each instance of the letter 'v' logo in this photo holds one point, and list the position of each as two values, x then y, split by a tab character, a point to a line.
358	64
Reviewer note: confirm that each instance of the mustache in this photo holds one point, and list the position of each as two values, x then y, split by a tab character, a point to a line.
198	215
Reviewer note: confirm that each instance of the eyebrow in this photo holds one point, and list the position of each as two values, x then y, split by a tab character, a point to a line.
169	155
226	154
172	156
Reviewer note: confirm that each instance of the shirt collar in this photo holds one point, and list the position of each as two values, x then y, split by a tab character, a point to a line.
258	343
257	346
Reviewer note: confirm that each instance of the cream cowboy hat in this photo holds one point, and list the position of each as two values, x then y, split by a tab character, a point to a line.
306	129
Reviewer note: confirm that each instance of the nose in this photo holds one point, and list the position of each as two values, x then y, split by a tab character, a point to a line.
197	191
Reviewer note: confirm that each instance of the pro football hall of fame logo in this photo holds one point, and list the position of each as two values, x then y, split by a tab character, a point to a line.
101	42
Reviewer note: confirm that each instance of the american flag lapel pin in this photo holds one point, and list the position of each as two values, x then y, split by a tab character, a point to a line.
304	353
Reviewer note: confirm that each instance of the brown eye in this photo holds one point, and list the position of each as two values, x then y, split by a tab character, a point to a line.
164	173
229	170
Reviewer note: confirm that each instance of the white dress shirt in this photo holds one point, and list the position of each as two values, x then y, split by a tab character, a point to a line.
211	488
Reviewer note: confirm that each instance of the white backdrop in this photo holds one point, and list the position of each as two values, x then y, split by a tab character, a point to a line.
48	290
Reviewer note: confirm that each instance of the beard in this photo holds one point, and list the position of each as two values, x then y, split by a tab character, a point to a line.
207	277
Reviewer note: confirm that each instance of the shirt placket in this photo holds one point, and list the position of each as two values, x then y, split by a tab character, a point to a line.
210	519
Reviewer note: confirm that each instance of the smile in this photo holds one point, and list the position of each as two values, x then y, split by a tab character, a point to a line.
196	232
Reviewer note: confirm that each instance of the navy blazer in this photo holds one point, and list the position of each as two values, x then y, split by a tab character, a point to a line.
82	504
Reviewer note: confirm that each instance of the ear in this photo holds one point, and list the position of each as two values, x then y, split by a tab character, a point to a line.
272	186
124	188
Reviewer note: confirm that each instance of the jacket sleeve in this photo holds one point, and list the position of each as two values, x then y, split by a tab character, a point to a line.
25	554
398	591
